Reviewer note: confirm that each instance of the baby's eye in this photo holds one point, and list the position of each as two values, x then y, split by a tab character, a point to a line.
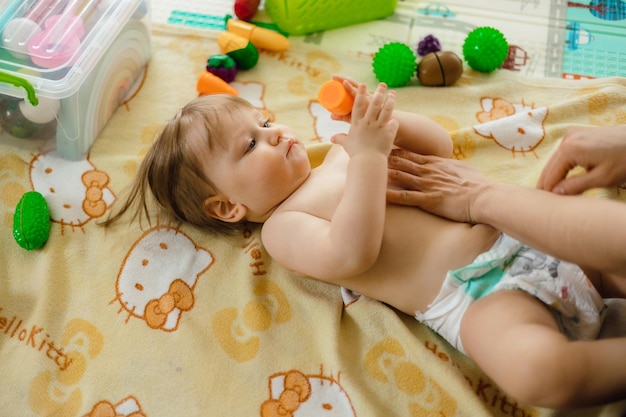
267	123
251	144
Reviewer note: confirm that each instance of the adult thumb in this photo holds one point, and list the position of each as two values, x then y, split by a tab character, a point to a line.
577	184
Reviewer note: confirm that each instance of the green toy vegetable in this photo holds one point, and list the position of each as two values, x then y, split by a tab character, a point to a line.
31	221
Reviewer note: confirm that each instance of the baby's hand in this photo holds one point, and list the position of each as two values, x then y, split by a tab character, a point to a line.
372	126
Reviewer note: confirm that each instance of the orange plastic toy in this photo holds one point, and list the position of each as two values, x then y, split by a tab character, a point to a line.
334	97
260	37
212	84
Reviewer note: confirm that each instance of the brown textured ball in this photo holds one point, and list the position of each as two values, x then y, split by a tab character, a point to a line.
439	69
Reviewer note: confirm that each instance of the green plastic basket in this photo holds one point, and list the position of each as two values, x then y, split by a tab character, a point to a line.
301	17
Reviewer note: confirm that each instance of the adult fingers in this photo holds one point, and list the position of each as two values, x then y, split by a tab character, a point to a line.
399	154
554	172
406	198
404	179
577	184
404	160
405	170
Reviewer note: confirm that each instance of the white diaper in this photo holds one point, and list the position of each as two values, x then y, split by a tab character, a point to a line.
510	265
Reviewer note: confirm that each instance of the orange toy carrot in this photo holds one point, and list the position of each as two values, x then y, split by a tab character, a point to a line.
212	84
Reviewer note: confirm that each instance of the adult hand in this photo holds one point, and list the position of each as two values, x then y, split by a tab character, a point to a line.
445	187
600	150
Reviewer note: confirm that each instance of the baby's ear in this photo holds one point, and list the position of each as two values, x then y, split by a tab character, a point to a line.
219	207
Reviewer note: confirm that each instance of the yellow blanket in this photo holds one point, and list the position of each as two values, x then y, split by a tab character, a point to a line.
170	321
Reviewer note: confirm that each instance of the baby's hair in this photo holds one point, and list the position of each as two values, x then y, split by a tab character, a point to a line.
171	173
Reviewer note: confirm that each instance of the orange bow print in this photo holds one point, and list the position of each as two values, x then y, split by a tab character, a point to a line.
178	296
93	204
297	390
501	108
106	409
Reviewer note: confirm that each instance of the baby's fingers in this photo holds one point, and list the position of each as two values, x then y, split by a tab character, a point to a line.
360	103
349	84
377	101
388	107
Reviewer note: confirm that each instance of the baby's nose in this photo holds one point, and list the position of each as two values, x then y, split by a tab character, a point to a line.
276	135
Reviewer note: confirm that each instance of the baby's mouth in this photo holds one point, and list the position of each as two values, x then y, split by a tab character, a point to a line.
290	143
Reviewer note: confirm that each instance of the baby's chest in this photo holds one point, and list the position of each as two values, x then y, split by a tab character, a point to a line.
325	186
323	194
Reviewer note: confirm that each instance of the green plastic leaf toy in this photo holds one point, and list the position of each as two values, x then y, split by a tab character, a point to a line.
31	221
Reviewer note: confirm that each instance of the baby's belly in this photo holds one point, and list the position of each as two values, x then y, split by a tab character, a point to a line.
418	250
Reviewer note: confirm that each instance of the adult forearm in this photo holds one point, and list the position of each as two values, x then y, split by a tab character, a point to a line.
586	231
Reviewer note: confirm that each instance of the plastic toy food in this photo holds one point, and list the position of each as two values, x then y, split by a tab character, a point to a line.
438	69
427	45
260	37
31	221
334	97
238	48
485	49
394	64
223	66
246	9
212	84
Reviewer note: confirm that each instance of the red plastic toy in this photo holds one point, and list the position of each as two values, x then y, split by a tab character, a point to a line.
246	9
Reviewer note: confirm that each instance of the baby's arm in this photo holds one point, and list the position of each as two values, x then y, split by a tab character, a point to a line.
349	242
416	133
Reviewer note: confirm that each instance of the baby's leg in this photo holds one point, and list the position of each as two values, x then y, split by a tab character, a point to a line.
608	285
515	340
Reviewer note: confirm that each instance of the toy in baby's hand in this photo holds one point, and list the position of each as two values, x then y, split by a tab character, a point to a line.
333	97
31	221
485	49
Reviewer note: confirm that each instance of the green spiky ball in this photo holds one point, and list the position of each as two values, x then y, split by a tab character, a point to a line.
394	64
485	49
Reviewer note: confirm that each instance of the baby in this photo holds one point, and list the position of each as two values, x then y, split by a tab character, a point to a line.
220	163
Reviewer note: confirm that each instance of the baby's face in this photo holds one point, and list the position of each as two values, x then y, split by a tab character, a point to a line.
260	164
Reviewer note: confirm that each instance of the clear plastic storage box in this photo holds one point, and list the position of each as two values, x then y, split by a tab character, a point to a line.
66	65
